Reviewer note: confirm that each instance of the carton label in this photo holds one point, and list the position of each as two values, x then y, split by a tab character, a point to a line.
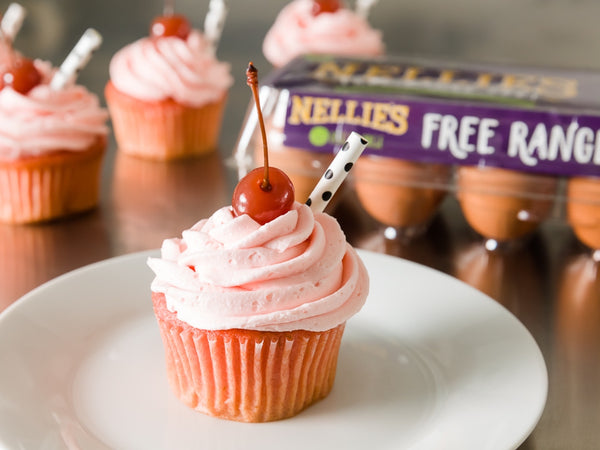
450	133
531	122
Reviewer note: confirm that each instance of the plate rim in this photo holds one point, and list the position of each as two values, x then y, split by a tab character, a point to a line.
540	362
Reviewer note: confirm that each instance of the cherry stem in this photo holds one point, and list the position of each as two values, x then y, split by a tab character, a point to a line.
169	8
252	81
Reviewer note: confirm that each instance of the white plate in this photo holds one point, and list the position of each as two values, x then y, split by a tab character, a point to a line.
429	363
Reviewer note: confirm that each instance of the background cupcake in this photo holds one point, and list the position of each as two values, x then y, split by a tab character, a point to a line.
167	92
52	143
320	27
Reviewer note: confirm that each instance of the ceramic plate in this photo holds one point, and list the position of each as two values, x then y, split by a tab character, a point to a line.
428	363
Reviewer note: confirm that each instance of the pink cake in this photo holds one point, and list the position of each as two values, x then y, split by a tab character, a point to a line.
252	315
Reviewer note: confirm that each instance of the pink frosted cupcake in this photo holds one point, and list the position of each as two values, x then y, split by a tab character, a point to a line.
252	315
52	143
167	93
320	27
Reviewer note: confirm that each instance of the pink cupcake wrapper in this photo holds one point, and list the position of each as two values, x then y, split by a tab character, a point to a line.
249	376
50	186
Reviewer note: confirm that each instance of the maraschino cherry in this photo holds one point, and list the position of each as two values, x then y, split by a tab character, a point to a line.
265	192
22	76
326	6
170	24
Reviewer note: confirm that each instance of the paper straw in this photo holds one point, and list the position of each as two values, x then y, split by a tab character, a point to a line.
363	7
336	172
77	59
12	21
169	8
214	22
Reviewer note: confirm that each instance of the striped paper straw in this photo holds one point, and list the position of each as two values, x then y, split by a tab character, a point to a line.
214	22
77	59
363	7
12	21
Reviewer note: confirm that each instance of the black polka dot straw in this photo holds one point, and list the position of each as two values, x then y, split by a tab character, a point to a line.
336	172
77	59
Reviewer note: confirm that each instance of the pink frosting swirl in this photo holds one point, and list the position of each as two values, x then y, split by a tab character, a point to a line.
295	272
297	31
187	71
46	120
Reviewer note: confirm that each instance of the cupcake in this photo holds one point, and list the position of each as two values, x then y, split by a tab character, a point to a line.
504	205
583	209
167	92
52	143
252	315
252	302
319	27
401	194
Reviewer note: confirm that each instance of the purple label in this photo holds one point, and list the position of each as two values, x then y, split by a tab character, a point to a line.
436	130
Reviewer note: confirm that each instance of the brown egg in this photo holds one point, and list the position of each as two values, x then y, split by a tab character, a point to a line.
399	193
583	209
504	204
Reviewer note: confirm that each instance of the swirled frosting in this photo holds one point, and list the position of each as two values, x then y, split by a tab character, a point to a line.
297	31
295	272
46	120
186	71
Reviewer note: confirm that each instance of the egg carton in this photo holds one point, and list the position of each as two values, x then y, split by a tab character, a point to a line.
516	146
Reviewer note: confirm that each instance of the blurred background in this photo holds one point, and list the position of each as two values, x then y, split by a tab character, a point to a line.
555	33
549	283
